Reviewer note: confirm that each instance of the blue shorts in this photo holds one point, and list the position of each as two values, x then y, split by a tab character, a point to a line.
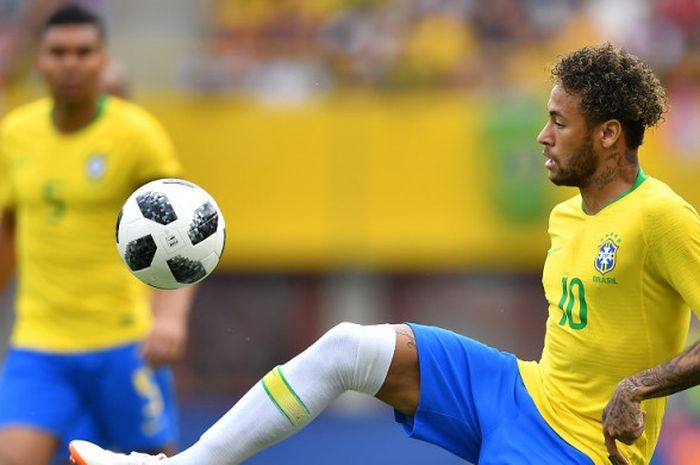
473	403
110	397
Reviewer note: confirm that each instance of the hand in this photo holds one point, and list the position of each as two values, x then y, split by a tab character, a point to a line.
623	420
166	342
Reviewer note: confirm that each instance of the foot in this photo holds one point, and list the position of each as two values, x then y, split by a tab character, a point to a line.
87	453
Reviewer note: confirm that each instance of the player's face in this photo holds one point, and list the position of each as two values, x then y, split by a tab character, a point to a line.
567	140
71	59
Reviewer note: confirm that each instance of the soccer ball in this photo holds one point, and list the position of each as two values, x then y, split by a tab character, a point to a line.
170	233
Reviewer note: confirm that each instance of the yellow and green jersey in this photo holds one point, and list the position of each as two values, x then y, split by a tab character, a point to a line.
74	293
619	286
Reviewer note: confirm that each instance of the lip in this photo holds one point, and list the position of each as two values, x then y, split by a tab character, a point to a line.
71	86
550	163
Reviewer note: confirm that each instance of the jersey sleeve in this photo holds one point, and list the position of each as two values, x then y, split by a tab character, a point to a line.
156	153
674	244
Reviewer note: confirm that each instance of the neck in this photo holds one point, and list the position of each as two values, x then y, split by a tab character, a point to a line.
73	116
615	176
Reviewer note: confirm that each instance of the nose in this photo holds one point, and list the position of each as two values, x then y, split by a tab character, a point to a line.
545	135
68	61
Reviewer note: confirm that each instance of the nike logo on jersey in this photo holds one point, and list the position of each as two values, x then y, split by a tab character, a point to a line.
552	250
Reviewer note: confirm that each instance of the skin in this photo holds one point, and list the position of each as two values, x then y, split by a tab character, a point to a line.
401	388
71	59
73	64
7	246
623	418
595	159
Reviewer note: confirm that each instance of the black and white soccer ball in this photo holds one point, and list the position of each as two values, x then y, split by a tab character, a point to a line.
170	233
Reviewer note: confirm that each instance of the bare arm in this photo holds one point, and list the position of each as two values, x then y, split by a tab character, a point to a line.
167	341
623	418
7	247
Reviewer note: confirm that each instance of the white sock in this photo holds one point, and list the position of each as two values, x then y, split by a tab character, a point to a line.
348	357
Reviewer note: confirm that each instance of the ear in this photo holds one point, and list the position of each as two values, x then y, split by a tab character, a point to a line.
610	133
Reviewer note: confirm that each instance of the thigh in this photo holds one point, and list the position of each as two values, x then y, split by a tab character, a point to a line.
38	404
527	438
401	388
463	385
473	403
134	404
22	445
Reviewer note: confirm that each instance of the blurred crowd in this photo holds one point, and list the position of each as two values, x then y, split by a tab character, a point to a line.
297	48
301	46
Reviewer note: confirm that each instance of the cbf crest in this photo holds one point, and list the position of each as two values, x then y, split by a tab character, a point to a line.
96	166
606	258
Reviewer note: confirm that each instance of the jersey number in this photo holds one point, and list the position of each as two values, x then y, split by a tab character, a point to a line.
145	384
58	205
573	294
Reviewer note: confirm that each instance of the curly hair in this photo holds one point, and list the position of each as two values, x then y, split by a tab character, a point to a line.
613	84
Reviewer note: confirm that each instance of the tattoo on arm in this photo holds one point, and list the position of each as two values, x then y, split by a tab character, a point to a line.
678	374
411	343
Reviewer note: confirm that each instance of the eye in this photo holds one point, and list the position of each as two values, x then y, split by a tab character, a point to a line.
57	52
558	124
84	51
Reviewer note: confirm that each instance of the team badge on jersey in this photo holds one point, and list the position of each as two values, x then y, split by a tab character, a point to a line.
607	254
96	166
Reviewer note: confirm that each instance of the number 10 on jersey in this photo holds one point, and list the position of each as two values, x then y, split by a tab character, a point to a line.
573	299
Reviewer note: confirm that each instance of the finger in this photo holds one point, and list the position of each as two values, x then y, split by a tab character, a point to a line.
611	446
150	353
615	457
147	357
162	354
616	461
145	349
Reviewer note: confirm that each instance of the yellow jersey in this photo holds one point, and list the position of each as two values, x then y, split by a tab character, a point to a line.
619	285
73	292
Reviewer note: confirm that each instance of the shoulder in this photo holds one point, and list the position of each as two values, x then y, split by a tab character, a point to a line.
664	213
26	115
568	208
131	115
659	202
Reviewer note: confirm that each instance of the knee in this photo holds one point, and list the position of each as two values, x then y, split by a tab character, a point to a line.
360	355
345	335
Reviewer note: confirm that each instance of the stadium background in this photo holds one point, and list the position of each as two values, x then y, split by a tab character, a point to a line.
375	161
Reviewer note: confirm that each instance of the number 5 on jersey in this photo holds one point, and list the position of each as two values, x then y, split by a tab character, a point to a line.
56	204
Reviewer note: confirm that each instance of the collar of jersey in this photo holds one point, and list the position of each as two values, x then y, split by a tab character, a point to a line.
101	105
641	177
